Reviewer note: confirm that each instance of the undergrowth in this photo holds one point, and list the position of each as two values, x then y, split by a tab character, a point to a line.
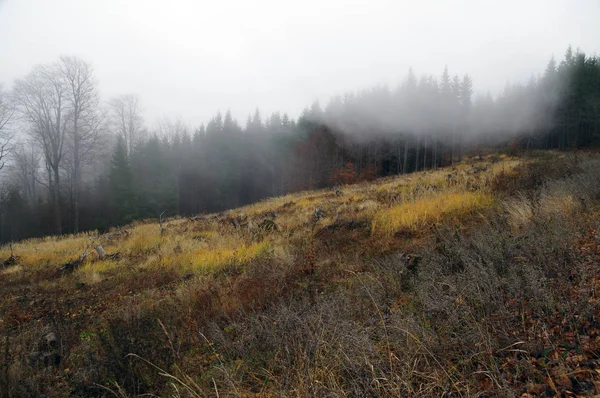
394	290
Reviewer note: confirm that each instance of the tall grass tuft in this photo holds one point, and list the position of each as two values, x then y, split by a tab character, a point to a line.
414	216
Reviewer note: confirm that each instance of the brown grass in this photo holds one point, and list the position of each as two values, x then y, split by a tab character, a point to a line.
334	307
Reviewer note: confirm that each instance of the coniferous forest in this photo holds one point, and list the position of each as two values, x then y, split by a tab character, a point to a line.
72	161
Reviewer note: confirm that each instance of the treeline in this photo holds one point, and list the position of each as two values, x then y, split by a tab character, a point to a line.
73	162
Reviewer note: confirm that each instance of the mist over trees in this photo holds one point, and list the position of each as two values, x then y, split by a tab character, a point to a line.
6	115
70	161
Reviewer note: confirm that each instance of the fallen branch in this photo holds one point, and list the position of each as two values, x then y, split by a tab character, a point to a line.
73	265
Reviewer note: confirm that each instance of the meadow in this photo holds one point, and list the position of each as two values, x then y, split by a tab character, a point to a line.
473	280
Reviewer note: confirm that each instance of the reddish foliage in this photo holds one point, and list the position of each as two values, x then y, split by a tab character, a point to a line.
344	175
514	148
567	363
369	173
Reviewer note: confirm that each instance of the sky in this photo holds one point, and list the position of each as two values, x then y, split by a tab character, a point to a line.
189	59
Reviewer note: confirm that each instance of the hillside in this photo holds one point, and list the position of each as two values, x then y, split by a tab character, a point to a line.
476	280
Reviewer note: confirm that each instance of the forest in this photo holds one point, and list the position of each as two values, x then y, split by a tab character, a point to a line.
72	161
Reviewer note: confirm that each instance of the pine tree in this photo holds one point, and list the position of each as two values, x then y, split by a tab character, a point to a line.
465	92
122	195
155	182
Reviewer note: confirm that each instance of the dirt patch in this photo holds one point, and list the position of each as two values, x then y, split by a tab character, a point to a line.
346	226
345	235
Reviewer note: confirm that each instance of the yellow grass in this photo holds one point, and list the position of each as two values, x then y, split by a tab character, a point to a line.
101	267
48	250
205	260
415	216
143	238
200	251
389	204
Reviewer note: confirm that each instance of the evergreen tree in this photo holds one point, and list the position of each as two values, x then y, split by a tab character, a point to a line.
155	178
122	194
423	123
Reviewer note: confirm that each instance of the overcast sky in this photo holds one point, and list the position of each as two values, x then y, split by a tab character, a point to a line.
189	59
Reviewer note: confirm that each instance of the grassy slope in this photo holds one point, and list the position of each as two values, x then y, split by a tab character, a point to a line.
497	295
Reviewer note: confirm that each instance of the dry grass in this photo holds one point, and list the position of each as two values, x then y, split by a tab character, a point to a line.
418	215
12	271
199	259
48	250
97	271
310	308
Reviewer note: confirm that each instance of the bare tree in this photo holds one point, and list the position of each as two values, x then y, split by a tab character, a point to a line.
7	111
167	127
126	119
42	100
86	120
26	160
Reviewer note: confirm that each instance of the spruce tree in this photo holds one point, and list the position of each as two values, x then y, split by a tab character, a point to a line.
122	194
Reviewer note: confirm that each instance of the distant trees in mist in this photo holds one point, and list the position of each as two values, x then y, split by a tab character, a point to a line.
70	161
6	115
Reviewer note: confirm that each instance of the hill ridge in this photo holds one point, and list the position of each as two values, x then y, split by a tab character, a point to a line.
369	288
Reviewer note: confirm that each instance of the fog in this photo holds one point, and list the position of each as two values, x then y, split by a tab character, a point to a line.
116	111
136	135
189	59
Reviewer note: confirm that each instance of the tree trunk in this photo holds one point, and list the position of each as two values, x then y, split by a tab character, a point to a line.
281	174
76	174
398	156
56	201
417	155
424	153
273	176
434	154
101	253
405	165
453	144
